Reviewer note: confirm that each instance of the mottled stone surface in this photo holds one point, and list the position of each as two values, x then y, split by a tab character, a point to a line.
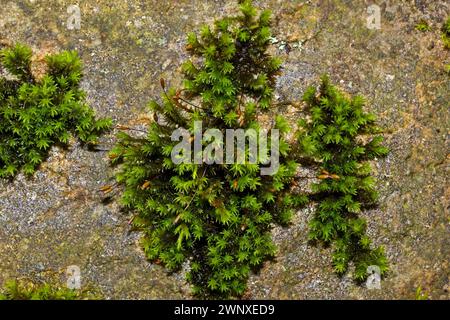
57	219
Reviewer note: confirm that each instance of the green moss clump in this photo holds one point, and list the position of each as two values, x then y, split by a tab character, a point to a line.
331	138
421	294
422	26
36	114
446	33
216	216
27	290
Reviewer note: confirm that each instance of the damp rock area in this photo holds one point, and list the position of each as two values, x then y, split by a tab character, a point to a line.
58	218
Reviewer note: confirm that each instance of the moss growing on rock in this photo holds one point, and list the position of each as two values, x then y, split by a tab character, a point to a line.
331	137
27	290
446	33
39	112
423	26
217	216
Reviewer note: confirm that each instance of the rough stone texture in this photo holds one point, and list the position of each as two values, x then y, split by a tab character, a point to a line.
57	218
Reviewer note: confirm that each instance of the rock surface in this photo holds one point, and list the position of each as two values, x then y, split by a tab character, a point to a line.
57	218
